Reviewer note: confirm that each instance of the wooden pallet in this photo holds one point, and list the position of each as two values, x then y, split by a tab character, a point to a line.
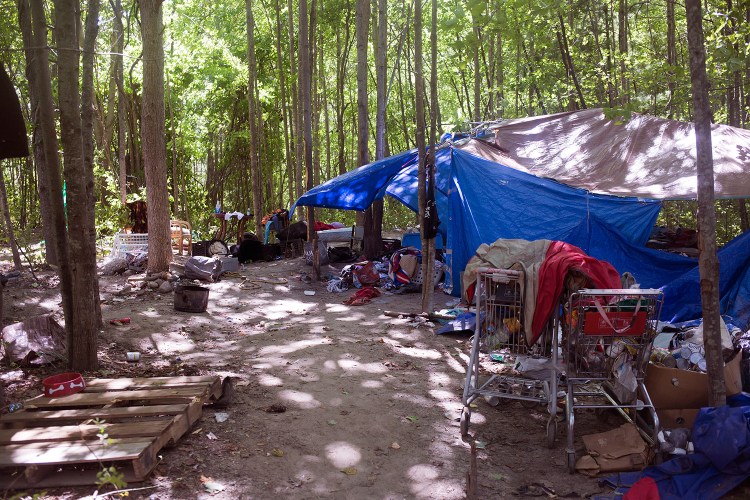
56	442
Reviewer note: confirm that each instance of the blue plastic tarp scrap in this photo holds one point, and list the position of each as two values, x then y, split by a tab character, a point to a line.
721	461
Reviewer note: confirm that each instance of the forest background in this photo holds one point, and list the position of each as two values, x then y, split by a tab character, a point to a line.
252	91
496	59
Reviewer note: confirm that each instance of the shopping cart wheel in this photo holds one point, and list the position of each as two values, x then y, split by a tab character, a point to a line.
465	418
571	462
551	431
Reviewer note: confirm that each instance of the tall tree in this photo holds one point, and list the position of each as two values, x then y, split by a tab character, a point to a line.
87	130
46	122
43	184
152	136
305	75
82	336
254	117
708	263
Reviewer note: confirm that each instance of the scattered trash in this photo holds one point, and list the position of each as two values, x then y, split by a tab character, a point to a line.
480	444
133	357
349	471
497	357
197	431
15	407
395	445
38	340
412	418
309	292
221	417
243	383
211	486
277	452
275	408
120	321
331	422
211	436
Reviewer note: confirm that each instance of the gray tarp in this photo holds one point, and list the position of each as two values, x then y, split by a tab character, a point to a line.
645	156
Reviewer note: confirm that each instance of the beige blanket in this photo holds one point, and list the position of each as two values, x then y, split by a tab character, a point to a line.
520	255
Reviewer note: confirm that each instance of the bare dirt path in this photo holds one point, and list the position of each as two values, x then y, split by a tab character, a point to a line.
371	402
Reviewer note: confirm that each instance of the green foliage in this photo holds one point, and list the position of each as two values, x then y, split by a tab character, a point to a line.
206	65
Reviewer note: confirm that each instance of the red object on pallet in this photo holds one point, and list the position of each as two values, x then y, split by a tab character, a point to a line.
63	384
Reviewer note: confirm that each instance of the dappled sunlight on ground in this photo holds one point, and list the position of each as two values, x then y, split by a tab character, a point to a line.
342	454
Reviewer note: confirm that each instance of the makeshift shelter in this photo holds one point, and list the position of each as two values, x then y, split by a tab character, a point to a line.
608	180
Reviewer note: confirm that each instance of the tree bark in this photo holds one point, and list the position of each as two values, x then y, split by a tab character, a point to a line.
671	57
254	118
87	130
708	263
9	230
428	257
43	184
284	107
296	106
119	46
305	89
622	41
82	336
152	136
420	138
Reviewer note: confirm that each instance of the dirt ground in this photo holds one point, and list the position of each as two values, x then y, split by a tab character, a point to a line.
373	402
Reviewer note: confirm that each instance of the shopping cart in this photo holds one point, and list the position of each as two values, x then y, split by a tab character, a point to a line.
608	337
499	334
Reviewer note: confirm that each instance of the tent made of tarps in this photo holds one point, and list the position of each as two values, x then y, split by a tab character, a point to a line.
486	190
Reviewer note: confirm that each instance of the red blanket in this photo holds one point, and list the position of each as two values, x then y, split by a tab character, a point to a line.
322	226
562	257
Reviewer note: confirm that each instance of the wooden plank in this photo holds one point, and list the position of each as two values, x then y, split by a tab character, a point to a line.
149	428
14	455
62	478
183	422
102	398
113	384
64	416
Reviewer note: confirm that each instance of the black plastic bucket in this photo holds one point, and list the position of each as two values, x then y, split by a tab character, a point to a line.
191	298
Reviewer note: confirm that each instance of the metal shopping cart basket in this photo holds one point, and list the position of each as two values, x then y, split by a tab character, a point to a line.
499	334
608	337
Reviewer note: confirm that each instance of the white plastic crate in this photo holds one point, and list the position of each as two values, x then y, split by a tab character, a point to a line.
131	242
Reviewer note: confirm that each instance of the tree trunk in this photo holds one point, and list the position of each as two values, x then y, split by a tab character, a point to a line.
284	107
87	130
254	118
305	90
708	263
363	134
152	136
428	257
373	232
671	57
296	106
43	184
82	336
622	42
568	61
119	47
420	138
9	230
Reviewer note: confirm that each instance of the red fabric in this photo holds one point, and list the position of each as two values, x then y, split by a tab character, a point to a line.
644	489
562	257
322	226
362	296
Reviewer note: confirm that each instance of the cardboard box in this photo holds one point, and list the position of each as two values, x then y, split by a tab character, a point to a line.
679	394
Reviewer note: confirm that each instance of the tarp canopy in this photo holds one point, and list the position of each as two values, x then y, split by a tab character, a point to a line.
503	187
644	156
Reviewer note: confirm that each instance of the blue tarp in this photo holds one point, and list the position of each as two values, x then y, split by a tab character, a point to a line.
480	201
